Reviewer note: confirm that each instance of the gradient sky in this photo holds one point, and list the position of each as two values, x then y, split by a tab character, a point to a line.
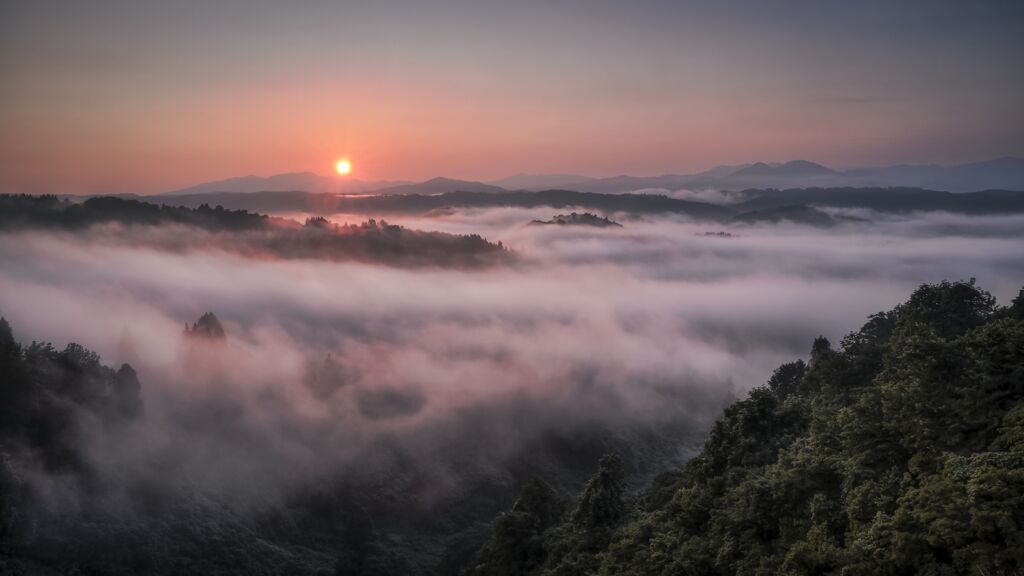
145	97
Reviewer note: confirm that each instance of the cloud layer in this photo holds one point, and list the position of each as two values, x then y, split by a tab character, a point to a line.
348	369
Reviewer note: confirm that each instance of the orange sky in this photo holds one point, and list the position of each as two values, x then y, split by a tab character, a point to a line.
114	97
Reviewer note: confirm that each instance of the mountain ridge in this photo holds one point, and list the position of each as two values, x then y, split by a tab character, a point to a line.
1006	172
285	182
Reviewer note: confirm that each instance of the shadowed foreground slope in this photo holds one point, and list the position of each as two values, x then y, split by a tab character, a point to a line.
901	452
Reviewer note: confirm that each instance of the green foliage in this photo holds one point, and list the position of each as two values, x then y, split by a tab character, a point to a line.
902	452
601	504
1016	309
516	546
948	308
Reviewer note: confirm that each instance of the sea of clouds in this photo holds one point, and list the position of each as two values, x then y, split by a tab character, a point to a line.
630	338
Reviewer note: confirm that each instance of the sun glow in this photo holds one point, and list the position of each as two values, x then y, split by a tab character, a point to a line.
343	167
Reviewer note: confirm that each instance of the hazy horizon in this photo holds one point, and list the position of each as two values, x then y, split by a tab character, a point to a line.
326	173
130	97
325	170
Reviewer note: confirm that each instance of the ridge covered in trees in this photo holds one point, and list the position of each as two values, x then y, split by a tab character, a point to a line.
899	452
208	327
26	211
898	200
250	234
577	219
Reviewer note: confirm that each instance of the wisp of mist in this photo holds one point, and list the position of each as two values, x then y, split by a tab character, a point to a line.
345	368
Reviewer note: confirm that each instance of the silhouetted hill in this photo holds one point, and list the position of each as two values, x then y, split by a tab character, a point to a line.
264	202
1004	173
309	183
383	204
756	169
575	219
252	234
24	211
207	327
791	168
899	200
525	181
439	186
608	203
881	199
622	184
889	200
296	181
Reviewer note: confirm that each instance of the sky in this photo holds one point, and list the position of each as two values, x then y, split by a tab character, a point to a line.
145	97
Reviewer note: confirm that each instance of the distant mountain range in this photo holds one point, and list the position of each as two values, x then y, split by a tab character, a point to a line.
1004	173
315	183
294	181
439	186
539	181
793	168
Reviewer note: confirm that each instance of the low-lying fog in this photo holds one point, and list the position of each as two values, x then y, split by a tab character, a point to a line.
653	326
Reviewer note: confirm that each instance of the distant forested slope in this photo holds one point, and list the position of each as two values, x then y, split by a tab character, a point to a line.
25	211
247	233
897	200
382	204
888	200
900	452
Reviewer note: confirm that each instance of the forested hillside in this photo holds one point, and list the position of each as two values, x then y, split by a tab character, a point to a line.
135	223
23	211
899	452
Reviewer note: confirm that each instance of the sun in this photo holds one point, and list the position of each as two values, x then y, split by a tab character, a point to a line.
343	167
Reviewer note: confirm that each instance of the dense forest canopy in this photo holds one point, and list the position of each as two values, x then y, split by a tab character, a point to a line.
899	452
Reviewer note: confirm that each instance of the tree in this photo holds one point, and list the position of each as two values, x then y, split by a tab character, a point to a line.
601	504
900	453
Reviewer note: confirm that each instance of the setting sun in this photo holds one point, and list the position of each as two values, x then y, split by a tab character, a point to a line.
343	167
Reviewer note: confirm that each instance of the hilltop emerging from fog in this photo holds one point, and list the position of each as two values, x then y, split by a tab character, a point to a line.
247	233
574	219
